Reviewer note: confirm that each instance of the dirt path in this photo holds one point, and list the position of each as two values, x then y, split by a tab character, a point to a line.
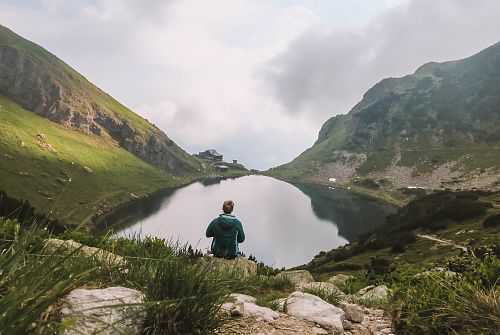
447	242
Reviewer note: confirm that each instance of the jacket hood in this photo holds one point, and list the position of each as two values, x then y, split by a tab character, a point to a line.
227	221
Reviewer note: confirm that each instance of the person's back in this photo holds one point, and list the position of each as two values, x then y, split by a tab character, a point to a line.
227	232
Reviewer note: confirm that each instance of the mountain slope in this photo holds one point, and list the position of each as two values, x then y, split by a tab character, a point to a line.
42	83
439	127
70	149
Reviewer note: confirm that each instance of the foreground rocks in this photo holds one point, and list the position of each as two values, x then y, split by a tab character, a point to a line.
312	308
306	314
95	311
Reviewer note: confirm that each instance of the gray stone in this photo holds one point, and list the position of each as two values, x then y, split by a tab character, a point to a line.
296	276
250	308
353	312
98	311
339	279
374	294
56	245
238	309
312	308
323	287
347	324
241	265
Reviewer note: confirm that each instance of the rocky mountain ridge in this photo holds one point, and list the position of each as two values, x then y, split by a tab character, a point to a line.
436	128
42	83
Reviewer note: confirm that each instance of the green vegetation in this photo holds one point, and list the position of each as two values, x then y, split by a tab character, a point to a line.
53	178
440	114
454	216
183	296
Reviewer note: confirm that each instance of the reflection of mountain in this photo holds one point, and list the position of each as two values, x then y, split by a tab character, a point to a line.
134	212
353	214
214	181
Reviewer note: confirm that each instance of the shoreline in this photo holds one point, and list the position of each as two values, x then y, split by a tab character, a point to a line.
99	225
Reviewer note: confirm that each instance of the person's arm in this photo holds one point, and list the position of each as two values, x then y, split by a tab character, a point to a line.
241	233
210	229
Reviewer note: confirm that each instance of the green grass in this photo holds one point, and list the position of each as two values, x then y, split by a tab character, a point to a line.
183	296
32	173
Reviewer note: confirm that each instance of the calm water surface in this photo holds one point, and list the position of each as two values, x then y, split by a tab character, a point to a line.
285	225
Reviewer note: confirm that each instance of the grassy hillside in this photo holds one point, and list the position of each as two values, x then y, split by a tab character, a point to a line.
44	84
411	236
30	169
436	128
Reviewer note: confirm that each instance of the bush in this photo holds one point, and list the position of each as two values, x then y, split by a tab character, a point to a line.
492	221
400	241
468	303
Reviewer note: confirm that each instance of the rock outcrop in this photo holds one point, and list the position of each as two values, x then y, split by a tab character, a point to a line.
339	279
239	265
296	276
56	245
99	311
323	287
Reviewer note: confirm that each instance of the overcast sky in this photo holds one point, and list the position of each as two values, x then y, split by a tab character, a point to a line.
254	79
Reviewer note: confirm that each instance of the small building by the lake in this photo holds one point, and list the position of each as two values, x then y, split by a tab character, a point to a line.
222	168
210	155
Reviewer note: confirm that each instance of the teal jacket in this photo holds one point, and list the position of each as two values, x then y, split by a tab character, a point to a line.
227	232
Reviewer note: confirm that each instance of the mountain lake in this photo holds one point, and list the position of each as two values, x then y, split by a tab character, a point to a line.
285	225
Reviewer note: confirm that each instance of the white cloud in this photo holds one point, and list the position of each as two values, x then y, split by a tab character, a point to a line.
255	79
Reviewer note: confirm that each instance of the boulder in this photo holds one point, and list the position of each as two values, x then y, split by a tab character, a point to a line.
98	311
296	276
371	293
241	265
353	312
245	305
312	308
326	288
339	279
56	245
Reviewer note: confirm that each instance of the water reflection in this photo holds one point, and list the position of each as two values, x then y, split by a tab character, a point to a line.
284	227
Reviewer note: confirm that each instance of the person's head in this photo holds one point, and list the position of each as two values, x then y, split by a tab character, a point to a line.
228	206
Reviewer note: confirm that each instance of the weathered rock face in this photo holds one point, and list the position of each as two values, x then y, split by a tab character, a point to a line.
310	307
240	265
45	85
98	311
296	276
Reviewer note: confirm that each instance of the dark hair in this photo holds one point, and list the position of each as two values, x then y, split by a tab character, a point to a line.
228	206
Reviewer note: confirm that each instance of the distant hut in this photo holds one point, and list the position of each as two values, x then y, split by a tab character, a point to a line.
235	161
222	168
210	155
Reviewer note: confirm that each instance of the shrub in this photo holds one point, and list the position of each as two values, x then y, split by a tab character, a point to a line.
492	221
400	241
468	303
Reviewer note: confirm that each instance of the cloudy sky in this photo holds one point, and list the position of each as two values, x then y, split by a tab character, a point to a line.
254	79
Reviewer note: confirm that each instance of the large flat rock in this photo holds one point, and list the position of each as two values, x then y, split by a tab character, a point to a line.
312	308
99	311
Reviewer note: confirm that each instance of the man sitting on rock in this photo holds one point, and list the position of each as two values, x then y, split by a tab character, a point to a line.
227	232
